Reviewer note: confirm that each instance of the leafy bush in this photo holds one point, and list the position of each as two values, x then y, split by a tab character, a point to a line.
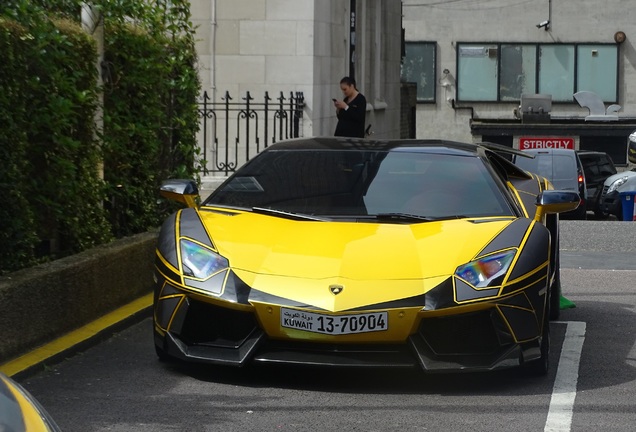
57	202
150	120
17	224
64	156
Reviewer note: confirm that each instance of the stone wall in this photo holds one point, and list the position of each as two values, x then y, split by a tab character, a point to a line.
44	302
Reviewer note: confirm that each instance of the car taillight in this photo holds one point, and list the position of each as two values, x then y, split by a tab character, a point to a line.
580	178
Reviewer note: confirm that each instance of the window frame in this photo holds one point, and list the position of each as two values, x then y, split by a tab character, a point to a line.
432	68
537	64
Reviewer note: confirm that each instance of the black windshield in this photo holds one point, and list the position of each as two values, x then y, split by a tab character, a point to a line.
362	183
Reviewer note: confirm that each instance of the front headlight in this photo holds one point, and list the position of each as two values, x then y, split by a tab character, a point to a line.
199	261
480	273
616	184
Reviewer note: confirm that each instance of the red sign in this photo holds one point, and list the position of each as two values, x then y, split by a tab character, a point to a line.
545	142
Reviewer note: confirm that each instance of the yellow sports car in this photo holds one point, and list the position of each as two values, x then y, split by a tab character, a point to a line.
20	412
361	253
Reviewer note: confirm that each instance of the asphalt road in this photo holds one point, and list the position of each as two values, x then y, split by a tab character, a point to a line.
119	385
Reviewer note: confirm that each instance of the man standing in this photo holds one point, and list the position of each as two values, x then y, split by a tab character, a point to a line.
351	110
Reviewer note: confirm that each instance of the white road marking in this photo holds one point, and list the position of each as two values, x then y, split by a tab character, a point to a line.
564	391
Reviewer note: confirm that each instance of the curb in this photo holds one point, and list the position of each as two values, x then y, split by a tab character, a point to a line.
79	339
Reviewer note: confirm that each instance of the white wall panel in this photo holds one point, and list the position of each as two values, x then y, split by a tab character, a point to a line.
267	38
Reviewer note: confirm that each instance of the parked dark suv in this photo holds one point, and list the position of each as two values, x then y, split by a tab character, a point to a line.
597	167
563	168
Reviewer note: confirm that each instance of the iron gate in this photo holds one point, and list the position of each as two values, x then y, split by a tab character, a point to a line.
232	132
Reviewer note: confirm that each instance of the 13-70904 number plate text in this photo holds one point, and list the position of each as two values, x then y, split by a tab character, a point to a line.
334	324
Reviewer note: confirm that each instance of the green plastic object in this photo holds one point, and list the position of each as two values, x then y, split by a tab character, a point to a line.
564	303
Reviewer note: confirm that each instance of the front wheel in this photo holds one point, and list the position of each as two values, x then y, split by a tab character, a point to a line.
619	212
599	214
161	354
553	302
541	366
581	212
555	294
160	350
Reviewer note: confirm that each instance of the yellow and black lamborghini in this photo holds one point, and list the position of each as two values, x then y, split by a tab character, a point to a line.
20	411
360	253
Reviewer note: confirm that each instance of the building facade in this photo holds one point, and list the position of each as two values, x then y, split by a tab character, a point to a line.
524	73
287	47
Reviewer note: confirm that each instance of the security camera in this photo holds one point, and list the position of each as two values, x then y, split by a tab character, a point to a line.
544	24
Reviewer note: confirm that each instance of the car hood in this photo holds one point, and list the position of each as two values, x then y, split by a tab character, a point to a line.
300	261
628	186
261	244
611	179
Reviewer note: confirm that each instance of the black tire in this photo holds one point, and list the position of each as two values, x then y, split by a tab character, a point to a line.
598	214
160	349
581	212
162	355
555	294
619	212
541	366
554	290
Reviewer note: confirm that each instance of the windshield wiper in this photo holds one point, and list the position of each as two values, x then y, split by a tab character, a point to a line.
286	214
408	217
404	217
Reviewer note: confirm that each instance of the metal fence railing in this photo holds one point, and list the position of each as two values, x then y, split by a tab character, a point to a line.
233	131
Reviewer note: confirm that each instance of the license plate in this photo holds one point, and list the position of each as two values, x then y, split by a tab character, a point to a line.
334	324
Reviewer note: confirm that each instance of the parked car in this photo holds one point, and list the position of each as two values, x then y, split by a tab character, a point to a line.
361	253
610	200
20	411
563	168
631	148
597	167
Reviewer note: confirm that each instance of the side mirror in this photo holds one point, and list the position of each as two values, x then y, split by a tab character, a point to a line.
556	201
181	190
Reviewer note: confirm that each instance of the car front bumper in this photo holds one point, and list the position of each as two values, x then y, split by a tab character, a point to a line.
610	203
500	335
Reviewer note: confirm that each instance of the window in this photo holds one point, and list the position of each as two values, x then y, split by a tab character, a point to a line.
556	71
518	71
477	65
496	72
418	66
598	68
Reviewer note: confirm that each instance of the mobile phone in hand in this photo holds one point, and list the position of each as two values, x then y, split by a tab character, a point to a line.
334	99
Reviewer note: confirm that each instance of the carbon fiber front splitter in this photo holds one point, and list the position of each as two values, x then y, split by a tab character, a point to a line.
257	348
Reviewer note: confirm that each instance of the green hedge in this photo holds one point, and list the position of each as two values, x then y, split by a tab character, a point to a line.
56	200
150	122
65	186
17	224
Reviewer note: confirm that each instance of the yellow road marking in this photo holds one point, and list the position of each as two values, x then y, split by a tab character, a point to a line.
75	337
